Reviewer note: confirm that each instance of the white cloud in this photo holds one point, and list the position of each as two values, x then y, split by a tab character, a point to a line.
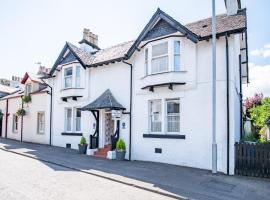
259	77
265	51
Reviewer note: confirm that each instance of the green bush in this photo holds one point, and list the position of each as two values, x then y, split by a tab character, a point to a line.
249	138
83	141
26	99
120	145
21	112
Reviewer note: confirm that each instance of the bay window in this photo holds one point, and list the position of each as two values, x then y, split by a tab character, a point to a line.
68	77
78	77
160	58
176	55
163	57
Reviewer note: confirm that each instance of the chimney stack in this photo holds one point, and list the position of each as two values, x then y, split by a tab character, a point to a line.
232	6
90	37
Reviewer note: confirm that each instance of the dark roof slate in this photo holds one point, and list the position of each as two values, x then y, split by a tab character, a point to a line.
104	101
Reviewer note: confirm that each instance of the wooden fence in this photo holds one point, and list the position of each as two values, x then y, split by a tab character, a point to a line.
252	159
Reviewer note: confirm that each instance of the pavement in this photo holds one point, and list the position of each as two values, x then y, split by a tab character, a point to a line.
144	180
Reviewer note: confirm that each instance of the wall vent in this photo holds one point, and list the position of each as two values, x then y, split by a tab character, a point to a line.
158	150
68	146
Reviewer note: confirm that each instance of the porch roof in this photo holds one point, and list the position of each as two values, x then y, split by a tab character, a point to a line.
104	101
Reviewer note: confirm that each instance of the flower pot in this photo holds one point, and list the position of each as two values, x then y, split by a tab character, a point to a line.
120	155
82	148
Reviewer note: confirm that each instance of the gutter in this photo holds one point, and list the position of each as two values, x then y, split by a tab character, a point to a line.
228	103
50	93
130	107
7	115
22	121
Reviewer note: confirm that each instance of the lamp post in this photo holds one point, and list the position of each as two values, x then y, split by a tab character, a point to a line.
214	143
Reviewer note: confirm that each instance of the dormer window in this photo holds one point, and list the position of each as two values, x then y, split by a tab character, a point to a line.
28	89
159	58
68	77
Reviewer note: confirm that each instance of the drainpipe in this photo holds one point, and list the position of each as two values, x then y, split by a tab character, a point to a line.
7	115
22	122
130	108
240	96
50	93
228	103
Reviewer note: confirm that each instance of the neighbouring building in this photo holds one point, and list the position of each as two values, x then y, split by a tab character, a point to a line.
155	92
26	113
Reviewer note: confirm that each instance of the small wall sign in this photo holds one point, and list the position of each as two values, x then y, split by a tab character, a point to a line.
123	125
116	114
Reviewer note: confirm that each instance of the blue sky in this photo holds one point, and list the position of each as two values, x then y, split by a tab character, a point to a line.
35	31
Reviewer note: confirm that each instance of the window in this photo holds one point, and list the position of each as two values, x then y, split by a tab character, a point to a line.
155	116
176	55
146	62
78	77
173	116
15	124
68	77
40	122
68	118
78	119
159	58
28	89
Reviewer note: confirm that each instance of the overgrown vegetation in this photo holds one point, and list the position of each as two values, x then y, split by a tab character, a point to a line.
258	110
26	99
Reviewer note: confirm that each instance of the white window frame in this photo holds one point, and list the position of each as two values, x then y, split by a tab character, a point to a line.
69	76
176	54
66	119
160	56
77	76
146	61
27	90
39	123
75	120
15	123
150	115
166	115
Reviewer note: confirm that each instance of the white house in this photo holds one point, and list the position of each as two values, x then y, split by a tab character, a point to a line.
34	126
155	91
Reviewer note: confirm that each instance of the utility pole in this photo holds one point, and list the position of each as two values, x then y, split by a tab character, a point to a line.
214	143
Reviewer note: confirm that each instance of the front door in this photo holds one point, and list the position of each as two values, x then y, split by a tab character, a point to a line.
109	128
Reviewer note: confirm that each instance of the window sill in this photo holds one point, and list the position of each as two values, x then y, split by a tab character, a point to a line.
164	136
71	134
166	72
72	88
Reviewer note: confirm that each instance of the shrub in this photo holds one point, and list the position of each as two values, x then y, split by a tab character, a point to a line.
249	138
83	141
21	112
26	99
120	145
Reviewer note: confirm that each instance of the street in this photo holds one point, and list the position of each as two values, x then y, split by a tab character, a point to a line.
25	178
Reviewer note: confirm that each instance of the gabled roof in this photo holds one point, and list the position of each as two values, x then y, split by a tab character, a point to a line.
196	31
160	15
104	101
33	77
6	90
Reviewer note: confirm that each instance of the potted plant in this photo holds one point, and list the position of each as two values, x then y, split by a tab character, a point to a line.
21	112
82	146
120	150
26	99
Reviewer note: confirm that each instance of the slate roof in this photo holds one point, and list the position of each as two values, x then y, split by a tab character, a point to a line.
225	23
7	89
199	30
104	101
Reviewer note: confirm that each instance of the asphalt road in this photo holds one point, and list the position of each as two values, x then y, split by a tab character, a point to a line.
26	178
